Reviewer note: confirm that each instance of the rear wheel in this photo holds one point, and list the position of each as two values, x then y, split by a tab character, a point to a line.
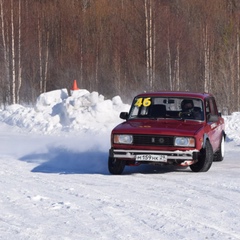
219	155
115	166
205	159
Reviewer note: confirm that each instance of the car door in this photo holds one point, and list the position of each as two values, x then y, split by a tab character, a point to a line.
213	121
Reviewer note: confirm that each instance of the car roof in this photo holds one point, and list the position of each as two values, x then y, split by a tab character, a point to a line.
184	94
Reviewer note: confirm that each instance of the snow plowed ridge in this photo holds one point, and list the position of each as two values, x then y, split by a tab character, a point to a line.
233	127
56	111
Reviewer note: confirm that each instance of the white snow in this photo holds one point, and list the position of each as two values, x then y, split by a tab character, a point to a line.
55	184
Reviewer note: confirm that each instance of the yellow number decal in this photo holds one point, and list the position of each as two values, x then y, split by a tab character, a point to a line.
139	102
145	102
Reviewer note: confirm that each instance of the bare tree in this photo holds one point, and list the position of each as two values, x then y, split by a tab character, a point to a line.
5	48
19	76
148	6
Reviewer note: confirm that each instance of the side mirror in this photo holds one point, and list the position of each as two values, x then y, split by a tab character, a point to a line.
124	115
212	118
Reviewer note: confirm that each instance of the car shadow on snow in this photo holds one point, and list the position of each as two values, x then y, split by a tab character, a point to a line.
65	161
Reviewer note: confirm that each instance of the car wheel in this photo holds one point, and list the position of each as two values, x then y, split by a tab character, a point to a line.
115	166
219	155
205	159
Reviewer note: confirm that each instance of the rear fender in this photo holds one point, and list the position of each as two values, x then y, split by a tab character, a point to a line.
224	134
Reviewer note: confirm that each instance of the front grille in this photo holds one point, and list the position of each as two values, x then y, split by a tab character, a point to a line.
153	140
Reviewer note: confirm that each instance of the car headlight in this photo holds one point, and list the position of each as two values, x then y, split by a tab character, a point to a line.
123	139
184	142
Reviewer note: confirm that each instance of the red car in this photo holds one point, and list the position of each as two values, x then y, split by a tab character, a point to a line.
181	128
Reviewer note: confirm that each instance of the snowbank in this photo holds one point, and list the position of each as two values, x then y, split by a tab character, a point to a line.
57	111
232	127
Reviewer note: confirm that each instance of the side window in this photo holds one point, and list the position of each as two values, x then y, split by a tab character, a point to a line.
207	108
211	107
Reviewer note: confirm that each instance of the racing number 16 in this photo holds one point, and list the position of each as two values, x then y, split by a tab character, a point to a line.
143	101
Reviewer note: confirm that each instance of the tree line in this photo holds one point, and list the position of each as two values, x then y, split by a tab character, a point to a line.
120	47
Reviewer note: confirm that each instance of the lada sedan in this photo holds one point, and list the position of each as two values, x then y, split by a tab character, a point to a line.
176	128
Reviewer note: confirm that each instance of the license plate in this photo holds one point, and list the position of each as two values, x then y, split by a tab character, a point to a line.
151	158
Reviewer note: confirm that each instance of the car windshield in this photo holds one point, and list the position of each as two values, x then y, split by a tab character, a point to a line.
167	107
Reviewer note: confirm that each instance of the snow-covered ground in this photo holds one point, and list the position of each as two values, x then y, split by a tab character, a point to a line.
55	184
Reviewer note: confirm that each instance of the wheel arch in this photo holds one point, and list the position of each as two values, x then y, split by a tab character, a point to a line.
205	138
224	134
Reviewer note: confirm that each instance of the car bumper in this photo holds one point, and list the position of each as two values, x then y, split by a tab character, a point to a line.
169	155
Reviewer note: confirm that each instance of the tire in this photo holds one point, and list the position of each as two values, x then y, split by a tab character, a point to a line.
219	155
205	159
115	166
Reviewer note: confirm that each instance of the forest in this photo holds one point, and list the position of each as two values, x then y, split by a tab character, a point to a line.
120	47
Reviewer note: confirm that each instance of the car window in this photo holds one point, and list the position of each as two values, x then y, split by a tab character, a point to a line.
211	108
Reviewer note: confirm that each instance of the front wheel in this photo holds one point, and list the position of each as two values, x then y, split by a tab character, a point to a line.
205	159
115	166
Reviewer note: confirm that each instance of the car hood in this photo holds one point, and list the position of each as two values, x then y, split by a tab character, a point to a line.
163	127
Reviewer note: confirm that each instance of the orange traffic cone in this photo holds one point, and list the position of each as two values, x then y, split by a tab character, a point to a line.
75	87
